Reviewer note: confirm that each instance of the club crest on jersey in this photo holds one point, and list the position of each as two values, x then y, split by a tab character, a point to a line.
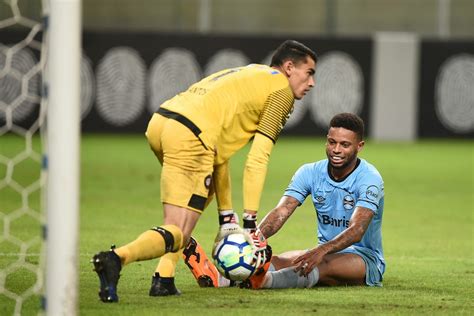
207	181
348	202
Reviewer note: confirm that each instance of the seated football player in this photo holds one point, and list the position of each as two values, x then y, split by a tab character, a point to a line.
348	196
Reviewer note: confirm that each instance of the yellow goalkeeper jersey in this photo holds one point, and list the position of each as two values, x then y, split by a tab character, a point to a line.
231	107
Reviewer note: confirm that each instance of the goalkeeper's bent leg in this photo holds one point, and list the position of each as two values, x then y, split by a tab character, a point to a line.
152	244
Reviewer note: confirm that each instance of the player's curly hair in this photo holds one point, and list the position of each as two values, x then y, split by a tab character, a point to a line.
349	121
294	51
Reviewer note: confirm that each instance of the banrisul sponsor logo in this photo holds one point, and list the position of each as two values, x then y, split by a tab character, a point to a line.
336	222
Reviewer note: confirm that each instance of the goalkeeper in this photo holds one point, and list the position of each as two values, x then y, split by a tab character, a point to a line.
193	135
348	195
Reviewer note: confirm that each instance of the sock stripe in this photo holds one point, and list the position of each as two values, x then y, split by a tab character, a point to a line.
167	236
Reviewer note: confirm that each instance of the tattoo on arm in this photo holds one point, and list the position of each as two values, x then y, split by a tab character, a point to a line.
357	227
278	216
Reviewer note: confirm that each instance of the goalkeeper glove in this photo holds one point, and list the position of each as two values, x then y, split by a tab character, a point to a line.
258	240
229	224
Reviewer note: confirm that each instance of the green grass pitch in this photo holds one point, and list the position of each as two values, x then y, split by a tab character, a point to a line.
427	231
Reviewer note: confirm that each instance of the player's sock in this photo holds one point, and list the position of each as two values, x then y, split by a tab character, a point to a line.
167	265
289	278
257	280
151	244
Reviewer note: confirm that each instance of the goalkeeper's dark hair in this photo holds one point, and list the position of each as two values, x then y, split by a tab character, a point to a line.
294	51
349	121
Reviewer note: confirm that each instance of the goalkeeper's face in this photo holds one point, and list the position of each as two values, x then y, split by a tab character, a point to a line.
342	147
300	76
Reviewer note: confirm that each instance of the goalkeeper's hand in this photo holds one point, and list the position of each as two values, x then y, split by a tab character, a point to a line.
250	226
258	240
229	224
260	244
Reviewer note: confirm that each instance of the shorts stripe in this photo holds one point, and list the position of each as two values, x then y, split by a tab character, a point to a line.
198	202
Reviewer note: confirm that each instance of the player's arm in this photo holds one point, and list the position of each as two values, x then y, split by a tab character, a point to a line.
222	186
296	192
228	219
276	110
254	178
358	224
255	171
277	217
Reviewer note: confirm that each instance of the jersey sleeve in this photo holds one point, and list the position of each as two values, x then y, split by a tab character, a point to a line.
277	109
255	171
370	192
300	184
222	185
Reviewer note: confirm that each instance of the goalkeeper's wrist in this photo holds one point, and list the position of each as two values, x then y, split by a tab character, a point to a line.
228	217
250	221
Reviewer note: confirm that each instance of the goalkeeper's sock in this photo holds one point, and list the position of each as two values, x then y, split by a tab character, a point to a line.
151	244
167	265
288	278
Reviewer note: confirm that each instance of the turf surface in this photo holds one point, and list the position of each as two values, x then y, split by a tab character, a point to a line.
427	231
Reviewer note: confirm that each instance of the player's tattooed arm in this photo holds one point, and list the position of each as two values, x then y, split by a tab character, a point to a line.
278	216
358	224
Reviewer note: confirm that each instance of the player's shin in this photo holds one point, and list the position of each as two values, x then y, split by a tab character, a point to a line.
288	278
152	244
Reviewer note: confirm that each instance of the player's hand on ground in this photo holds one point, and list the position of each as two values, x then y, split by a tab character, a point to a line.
305	263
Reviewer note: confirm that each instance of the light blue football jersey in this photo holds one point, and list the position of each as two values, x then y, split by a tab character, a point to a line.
335	202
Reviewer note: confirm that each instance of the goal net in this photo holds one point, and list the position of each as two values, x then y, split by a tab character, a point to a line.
38	227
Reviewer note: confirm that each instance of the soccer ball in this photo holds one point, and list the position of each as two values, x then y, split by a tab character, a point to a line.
234	257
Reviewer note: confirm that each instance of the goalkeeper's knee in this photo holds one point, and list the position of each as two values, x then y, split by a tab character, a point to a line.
172	236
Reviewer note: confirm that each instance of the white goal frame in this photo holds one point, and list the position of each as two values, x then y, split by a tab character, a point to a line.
62	154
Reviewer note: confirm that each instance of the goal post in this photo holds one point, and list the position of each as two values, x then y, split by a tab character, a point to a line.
62	156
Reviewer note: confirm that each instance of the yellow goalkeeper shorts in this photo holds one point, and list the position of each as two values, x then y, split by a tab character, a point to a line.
187	165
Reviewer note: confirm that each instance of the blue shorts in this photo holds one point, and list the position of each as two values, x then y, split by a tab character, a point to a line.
374	269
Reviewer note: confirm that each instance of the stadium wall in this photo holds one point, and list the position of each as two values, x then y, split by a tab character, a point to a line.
402	86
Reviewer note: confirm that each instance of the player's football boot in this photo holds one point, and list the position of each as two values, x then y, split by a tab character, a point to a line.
201	267
256	280
107	265
161	286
